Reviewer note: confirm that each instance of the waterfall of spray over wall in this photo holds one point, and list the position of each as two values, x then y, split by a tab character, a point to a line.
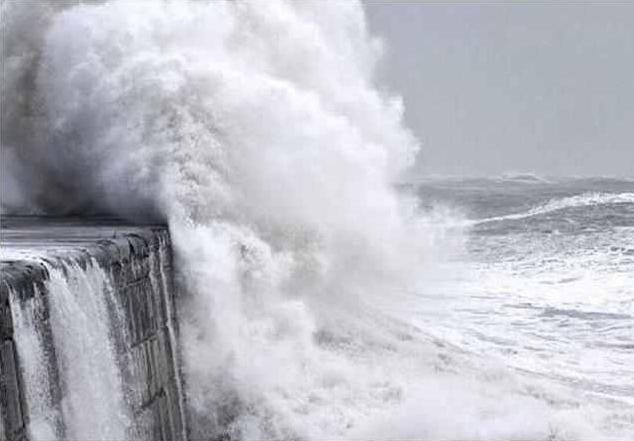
94	405
254	128
45	418
73	375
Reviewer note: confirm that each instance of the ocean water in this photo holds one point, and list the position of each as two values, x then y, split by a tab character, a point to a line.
545	285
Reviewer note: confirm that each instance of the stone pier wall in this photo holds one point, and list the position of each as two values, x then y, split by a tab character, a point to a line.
138	263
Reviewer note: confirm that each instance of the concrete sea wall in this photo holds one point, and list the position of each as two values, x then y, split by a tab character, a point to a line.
87	308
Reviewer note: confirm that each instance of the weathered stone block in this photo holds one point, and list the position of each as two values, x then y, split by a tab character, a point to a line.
10	395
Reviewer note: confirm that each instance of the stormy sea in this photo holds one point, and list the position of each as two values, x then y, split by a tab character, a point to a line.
545	285
327	294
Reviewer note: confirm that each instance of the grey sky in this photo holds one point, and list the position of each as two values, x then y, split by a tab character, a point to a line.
495	88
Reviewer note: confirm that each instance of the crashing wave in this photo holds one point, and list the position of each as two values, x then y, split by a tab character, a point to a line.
255	130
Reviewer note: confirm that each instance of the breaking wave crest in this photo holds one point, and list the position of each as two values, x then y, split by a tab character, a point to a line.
580	200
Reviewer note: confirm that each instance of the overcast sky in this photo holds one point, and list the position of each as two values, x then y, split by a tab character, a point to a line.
526	88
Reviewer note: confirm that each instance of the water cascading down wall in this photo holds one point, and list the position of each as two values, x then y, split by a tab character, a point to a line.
88	332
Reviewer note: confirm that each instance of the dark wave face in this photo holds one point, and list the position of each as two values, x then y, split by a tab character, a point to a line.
515	205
